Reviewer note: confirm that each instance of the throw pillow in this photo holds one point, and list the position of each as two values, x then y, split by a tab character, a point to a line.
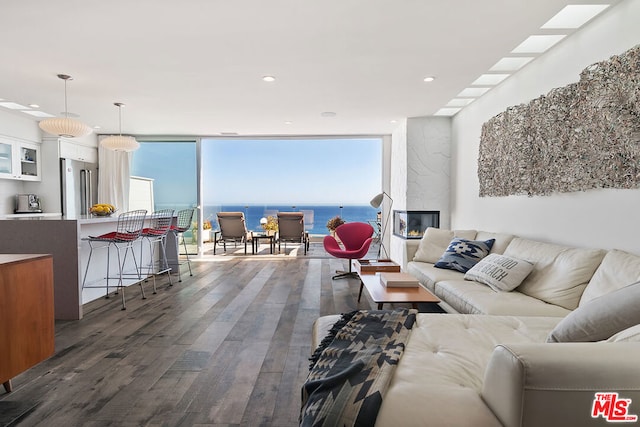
462	254
433	243
500	272
601	317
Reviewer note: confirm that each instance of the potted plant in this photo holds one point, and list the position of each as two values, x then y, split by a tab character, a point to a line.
206	231
334	223
270	226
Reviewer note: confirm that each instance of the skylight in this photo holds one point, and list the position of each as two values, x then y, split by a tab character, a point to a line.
473	92
511	63
538	44
459	102
489	79
13	105
37	113
447	111
574	16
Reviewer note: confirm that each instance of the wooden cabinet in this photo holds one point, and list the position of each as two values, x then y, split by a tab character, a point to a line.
27	325
19	160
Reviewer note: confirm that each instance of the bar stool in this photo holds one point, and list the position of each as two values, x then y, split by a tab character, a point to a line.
128	231
183	224
159	225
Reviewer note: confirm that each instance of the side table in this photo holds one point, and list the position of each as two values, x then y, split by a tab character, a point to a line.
255	241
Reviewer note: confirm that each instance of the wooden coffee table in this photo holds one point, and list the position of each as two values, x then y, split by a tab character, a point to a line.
381	294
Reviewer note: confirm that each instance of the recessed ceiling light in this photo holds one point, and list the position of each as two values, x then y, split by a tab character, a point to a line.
471	92
489	79
37	113
34	106
13	105
574	16
460	102
328	114
288	122
538	44
268	78
447	111
429	79
97	127
393	122
511	63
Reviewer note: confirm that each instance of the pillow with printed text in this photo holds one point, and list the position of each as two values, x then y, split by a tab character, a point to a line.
501	273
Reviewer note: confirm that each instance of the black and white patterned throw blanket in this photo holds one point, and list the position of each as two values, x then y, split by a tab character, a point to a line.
351	369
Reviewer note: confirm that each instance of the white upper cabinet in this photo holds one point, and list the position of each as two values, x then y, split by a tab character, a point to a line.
73	151
19	160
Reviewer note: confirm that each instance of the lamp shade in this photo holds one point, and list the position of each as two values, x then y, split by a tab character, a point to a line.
377	200
65	127
120	143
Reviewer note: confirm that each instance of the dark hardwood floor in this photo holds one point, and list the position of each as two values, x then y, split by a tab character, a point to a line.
225	347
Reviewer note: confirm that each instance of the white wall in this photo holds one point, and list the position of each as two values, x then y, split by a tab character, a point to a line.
606	218
420	172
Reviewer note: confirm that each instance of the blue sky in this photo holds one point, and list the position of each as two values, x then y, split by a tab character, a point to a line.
266	171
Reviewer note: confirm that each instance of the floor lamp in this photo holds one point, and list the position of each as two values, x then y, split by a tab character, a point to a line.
376	202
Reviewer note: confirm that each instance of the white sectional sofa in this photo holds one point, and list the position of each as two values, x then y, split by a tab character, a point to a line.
494	360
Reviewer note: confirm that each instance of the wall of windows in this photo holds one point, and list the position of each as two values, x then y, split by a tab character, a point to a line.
323	177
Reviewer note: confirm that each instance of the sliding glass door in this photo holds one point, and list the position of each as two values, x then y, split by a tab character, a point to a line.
169	170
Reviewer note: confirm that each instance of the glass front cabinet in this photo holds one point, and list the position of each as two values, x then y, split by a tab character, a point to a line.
19	160
412	224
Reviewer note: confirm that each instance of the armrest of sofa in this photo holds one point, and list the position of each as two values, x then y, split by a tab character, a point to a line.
556	384
410	249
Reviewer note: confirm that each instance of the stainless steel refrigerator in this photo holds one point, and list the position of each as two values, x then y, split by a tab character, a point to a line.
79	182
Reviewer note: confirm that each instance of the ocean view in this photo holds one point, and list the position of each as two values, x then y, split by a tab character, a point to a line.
316	216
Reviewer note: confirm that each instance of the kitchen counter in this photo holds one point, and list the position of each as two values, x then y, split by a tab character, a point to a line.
62	237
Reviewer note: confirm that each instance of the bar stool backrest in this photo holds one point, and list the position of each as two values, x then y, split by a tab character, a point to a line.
183	222
130	225
160	222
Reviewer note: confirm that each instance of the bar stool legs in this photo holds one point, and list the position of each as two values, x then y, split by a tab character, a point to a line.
129	230
183	223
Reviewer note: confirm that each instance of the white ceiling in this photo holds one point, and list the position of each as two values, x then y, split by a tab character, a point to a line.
195	67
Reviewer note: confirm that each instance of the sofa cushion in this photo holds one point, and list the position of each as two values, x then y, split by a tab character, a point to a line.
428	274
601	317
560	273
502	240
462	254
464	296
436	240
631	334
617	269
500	272
440	375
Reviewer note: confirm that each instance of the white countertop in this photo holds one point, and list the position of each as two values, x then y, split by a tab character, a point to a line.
31	215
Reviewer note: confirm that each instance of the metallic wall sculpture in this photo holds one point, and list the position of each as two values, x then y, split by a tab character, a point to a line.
582	136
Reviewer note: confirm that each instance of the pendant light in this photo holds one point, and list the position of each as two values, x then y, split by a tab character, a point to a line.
65	126
120	142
